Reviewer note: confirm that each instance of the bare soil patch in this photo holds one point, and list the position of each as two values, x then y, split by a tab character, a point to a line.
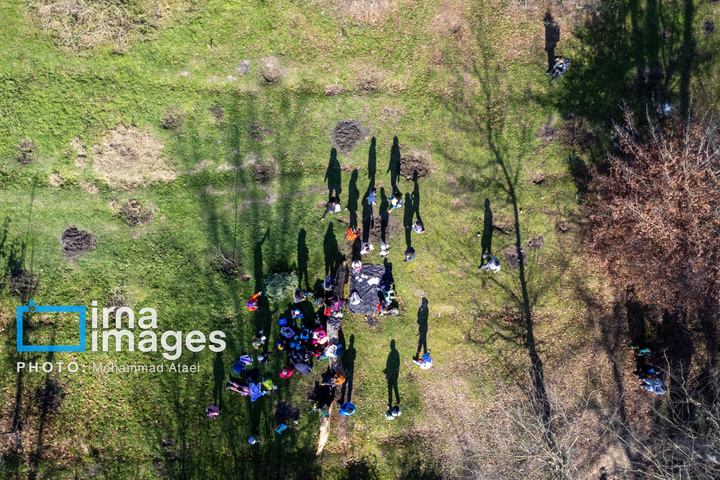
77	242
217	111
257	132
26	151
503	224
563	226
575	133
512	259
264	172
347	134
394	226
117	299
539	178
127	157
333	89
368	11
56	179
548	133
536	242
81	158
22	283
173	119
135	213
225	262
271	69
415	163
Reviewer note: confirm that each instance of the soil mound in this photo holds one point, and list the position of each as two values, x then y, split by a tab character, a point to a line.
512	259
135	213
26	151
547	132
347	134
257	132
271	70
415	163
536	242
173	120
77	242
264	172
217	111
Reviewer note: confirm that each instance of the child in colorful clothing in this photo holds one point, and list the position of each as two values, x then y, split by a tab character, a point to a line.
252	304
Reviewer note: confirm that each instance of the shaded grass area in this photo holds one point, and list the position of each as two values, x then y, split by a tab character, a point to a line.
154	426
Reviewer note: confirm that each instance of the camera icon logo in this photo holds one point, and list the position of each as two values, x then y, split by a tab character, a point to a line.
80	310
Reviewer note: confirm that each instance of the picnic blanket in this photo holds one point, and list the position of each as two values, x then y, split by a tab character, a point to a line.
366	283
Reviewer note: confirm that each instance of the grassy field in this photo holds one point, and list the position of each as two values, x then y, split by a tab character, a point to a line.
229	163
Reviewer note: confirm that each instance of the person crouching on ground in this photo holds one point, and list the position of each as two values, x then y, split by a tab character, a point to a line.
252	304
493	264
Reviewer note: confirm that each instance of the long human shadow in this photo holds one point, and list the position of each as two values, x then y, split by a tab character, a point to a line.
302	259
487	233
349	364
262	317
331	251
333	175
408	216
416	197
552	37
353	197
394	165
383	213
422	321
368	217
392	374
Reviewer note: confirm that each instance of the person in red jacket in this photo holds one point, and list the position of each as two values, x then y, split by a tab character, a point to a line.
252	304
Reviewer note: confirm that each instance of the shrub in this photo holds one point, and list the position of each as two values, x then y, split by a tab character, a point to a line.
278	286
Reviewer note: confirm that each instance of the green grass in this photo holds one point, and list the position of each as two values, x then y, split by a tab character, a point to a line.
151	426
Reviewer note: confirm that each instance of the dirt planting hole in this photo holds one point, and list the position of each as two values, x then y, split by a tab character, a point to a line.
416	163
135	213
77	242
346	135
512	259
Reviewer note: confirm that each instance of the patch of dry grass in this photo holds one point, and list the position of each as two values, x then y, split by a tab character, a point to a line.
128	157
85	24
366	11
